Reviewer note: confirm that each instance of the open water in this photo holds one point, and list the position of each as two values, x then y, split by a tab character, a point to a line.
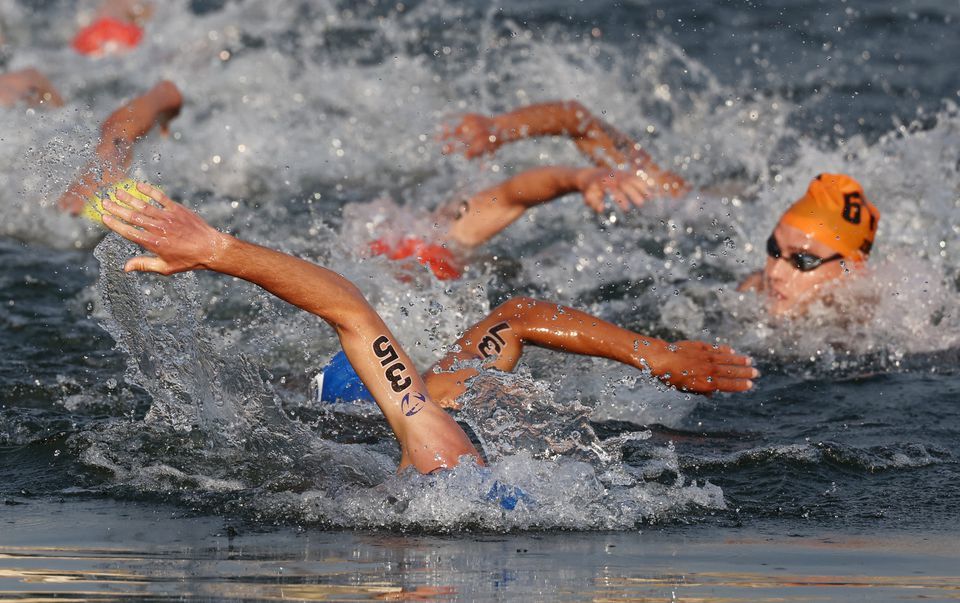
310	126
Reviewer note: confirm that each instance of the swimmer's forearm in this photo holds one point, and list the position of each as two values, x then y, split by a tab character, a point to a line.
492	210
298	282
536	186
429	438
557	118
136	118
601	142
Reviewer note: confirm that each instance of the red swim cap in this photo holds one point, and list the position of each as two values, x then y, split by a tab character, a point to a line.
435	257
106	35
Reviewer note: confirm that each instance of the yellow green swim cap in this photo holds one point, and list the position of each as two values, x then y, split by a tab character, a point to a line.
93	208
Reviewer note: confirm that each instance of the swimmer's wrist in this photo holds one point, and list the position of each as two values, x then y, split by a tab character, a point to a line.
649	353
503	130
222	247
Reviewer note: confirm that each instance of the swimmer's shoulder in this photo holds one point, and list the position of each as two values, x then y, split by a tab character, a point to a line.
753	282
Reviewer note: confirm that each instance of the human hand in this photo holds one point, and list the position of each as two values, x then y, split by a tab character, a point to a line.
474	135
93	176
698	367
625	188
663	183
179	239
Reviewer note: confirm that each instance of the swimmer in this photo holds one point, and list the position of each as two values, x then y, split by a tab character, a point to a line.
30	87
826	234
499	341
118	135
484	215
624	173
429	438
117	26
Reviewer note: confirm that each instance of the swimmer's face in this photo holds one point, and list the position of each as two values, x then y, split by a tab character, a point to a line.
787	288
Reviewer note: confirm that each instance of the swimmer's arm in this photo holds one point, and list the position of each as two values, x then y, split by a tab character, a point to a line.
492	210
29	86
181	241
118	135
499	340
133	120
603	144
477	134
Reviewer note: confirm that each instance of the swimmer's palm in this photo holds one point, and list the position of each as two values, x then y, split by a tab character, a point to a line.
701	368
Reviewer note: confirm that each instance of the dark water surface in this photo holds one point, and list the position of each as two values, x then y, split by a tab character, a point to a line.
298	116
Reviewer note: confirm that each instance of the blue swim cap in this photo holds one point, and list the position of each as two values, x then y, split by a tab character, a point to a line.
340	382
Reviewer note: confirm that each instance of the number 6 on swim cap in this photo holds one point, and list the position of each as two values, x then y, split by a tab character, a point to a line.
93	208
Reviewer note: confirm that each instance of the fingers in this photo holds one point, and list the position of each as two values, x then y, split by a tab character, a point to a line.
131	216
637	190
133	210
146	263
618	196
156	194
128	232
735	372
731	358
708	385
139	204
593	197
724	384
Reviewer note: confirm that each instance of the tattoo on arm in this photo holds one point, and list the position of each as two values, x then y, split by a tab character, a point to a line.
412	403
394	369
493	340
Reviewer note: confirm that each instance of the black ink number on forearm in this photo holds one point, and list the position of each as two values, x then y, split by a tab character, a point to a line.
394	368
493	340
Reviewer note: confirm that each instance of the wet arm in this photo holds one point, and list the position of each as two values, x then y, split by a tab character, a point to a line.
601	142
29	86
499	340
429	438
118	135
492	210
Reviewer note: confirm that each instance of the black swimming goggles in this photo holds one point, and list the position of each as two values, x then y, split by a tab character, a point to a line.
803	261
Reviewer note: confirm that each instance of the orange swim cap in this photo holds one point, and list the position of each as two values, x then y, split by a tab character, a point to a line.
107	34
836	212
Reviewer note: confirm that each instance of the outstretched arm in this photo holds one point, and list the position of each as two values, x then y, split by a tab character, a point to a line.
492	210
118	135
181	241
500	338
28	86
606	146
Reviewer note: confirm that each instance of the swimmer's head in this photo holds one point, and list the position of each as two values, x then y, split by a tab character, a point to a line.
107	35
830	229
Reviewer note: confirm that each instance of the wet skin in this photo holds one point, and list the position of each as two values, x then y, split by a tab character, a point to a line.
789	290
